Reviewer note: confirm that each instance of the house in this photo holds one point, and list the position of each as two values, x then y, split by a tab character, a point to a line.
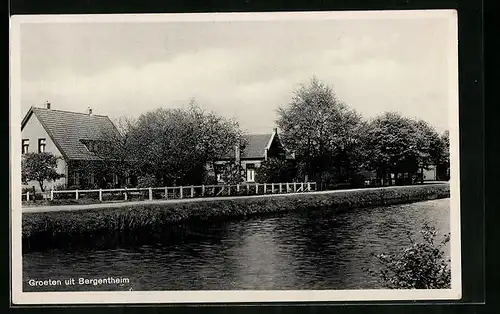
430	174
76	138
257	148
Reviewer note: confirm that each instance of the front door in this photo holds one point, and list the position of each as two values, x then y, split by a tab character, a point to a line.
250	172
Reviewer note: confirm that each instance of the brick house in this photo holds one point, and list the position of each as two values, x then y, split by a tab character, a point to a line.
73	136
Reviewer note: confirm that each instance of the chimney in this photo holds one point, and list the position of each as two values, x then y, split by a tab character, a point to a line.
237	152
89	111
47	105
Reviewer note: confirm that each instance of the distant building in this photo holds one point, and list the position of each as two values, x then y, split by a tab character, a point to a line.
430	174
75	137
257	149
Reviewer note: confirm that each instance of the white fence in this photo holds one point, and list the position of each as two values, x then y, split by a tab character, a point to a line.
180	192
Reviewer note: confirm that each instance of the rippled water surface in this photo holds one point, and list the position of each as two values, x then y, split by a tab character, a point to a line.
310	250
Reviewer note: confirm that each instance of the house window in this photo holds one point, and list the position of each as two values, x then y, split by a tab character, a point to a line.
41	145
26	145
92	146
250	172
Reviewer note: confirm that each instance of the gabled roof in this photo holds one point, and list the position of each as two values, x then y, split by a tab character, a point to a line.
256	145
67	129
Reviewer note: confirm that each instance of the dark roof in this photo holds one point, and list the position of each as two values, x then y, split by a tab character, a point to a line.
66	129
255	145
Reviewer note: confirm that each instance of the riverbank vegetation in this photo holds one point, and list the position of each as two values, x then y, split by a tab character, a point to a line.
151	223
421	265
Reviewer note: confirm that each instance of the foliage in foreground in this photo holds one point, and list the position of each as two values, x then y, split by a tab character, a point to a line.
422	265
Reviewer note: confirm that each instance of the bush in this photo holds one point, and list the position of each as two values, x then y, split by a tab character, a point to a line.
275	170
422	265
146	181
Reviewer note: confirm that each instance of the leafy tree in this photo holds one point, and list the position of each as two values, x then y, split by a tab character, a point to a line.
217	137
40	167
400	145
443	156
175	145
163	145
323	132
422	265
275	170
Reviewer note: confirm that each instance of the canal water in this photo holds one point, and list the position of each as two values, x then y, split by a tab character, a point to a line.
309	250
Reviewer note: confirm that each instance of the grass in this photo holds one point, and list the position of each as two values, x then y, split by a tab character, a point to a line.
141	223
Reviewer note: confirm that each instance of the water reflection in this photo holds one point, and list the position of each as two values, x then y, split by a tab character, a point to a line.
317	249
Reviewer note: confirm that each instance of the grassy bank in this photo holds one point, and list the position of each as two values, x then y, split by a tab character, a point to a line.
150	223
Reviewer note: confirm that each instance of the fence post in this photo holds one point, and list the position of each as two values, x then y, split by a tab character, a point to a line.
256	188
287	188
229	190
272	188
248	189
281	187
150	194
76	194
100	195
238	188
27	196
192	191
125	194
295	186
166	192
203	190
180	189
51	195
265	188
302	186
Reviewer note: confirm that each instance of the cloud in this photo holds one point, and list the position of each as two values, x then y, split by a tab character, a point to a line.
245	77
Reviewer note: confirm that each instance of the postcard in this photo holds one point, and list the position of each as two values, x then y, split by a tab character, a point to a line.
235	157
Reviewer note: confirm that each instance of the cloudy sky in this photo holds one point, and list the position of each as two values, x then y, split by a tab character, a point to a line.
240	69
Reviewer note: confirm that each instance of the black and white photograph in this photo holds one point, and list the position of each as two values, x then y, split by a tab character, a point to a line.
235	157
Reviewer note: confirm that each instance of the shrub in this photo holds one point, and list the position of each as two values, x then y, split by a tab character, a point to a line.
146	181
275	170
422	265
60	187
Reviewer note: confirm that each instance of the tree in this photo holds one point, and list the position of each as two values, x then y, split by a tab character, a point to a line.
163	145
443	156
40	167
399	145
323	132
175	145
217	138
275	170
